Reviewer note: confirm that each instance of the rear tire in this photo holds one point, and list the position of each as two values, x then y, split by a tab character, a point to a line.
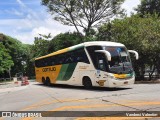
48	82
87	83
43	80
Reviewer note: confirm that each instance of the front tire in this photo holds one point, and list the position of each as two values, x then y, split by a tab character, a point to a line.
87	83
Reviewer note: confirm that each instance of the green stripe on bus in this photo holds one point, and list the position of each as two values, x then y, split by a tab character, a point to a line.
62	71
66	71
69	71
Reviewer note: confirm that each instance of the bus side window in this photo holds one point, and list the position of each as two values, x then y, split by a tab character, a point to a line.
41	63
45	62
62	59
92	54
52	61
58	59
69	57
80	56
37	63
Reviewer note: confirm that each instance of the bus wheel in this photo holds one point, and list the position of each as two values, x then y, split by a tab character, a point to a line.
48	83
87	82
43	80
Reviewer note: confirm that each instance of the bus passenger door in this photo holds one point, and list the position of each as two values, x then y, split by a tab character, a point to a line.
101	62
101	68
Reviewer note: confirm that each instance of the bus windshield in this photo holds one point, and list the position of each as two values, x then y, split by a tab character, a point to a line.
120	60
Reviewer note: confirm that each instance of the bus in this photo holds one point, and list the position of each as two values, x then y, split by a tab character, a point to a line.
98	63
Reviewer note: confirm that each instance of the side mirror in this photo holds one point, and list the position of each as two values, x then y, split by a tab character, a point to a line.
136	53
107	54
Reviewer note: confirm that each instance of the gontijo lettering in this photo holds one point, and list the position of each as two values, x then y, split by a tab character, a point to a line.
49	69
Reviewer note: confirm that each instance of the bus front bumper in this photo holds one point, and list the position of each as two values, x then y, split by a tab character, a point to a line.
119	82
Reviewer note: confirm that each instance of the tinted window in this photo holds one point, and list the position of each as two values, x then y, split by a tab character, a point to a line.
91	51
78	55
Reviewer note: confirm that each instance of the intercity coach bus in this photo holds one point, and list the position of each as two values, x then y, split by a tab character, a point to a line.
98	63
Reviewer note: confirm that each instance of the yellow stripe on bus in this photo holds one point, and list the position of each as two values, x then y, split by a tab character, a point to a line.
54	53
120	75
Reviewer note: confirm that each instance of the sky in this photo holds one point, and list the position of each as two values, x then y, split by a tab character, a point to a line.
26	19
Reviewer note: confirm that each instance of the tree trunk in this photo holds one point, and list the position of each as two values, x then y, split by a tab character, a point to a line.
151	74
87	30
142	72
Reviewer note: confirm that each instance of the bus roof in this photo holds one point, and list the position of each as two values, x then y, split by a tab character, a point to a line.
85	44
102	43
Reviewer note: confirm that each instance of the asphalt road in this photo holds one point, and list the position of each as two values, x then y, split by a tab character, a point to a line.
128	100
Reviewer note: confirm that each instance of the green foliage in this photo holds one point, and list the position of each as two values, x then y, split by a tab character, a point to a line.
64	40
149	7
40	47
27	62
18	53
91	36
83	13
140	34
104	32
5	59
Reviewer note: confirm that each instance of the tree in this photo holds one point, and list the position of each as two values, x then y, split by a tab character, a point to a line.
29	60
5	59
83	13
64	40
140	34
18	53
40	47
149	7
104	32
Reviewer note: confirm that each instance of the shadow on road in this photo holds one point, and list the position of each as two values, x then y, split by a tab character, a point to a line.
82	88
